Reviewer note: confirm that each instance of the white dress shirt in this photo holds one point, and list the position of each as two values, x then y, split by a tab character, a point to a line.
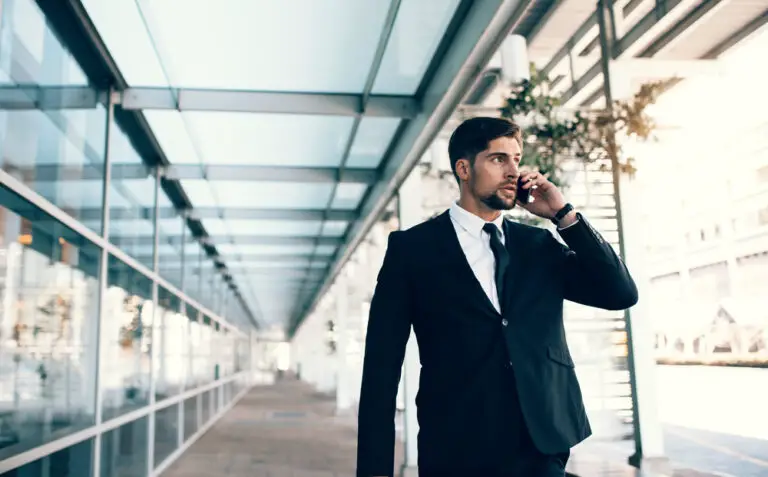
476	244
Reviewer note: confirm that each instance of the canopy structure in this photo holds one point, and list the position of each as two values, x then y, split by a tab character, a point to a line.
280	130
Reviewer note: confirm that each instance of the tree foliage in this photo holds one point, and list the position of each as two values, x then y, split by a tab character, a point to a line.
553	135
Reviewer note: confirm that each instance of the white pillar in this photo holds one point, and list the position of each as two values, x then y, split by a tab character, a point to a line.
410	213
343	372
651	437
649	434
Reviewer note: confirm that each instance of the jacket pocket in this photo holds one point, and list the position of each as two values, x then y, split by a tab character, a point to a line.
560	356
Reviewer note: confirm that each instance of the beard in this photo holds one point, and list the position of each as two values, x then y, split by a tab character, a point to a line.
495	202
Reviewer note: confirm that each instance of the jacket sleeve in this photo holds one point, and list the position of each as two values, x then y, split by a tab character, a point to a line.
594	274
389	326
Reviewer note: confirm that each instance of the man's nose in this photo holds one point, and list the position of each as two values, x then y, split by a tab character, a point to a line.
512	171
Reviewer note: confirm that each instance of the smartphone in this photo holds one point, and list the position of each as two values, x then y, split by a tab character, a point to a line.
523	195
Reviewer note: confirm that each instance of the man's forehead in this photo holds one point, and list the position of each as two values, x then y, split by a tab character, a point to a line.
503	145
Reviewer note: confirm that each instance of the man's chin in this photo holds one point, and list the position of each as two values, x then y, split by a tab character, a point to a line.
497	203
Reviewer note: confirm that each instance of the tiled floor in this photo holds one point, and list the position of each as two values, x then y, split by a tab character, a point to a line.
288	430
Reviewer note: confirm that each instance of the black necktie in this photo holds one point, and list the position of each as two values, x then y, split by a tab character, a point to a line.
500	254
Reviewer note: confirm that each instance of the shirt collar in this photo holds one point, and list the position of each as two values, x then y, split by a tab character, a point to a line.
471	222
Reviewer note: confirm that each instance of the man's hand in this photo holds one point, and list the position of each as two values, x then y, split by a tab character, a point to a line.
547	198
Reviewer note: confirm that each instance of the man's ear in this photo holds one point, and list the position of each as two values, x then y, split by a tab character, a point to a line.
463	169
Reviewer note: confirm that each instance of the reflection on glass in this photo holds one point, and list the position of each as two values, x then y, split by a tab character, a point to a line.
73	461
132	199
193	345
166	432
49	298
58	153
190	417
206	405
171	338
172	227
126	338
124	450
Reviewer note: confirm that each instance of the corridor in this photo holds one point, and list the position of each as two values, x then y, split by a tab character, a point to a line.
285	430
290	430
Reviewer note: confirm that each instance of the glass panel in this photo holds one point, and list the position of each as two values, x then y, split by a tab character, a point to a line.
203	367
191	406
216	351
215	401
227	249
122	28
131	201
307	59
193	278
372	140
348	196
50	150
417	32
335	228
124	450
166	432
170	260
48	342
72	461
206	405
247	139
128	316
304	228
280	195
193	345
170	336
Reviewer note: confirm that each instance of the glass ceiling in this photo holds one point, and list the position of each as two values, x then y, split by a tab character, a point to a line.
243	167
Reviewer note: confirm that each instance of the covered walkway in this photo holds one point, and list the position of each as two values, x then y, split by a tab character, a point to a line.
290	430
284	430
193	199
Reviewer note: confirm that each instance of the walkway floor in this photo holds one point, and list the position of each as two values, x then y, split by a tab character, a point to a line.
289	430
283	430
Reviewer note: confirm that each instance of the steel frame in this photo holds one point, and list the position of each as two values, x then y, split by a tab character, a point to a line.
20	97
71	23
475	33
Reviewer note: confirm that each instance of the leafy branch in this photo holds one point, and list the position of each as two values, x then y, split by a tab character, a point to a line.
553	135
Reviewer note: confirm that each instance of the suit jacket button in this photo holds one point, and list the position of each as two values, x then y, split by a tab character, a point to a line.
504	322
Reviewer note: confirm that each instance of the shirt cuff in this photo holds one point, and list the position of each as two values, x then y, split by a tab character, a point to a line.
569	225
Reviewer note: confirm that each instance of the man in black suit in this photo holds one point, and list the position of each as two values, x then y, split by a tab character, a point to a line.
498	395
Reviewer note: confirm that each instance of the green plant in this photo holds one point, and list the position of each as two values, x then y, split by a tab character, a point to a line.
553	135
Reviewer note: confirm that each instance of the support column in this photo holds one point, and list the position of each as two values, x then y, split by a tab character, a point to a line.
98	336
649	443
343	375
410	212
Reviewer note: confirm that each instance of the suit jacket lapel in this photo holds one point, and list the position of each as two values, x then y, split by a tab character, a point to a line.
456	261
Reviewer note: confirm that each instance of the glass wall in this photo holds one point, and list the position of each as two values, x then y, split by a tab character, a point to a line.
48	345
97	339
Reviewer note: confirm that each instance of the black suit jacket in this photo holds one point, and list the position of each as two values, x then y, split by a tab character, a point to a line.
426	283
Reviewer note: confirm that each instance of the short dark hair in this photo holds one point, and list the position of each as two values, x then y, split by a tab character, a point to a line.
473	136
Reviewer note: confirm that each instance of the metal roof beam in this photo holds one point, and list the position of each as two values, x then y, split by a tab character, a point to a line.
182	99
223	172
640	36
74	28
201	213
473	36
33	97
128	241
